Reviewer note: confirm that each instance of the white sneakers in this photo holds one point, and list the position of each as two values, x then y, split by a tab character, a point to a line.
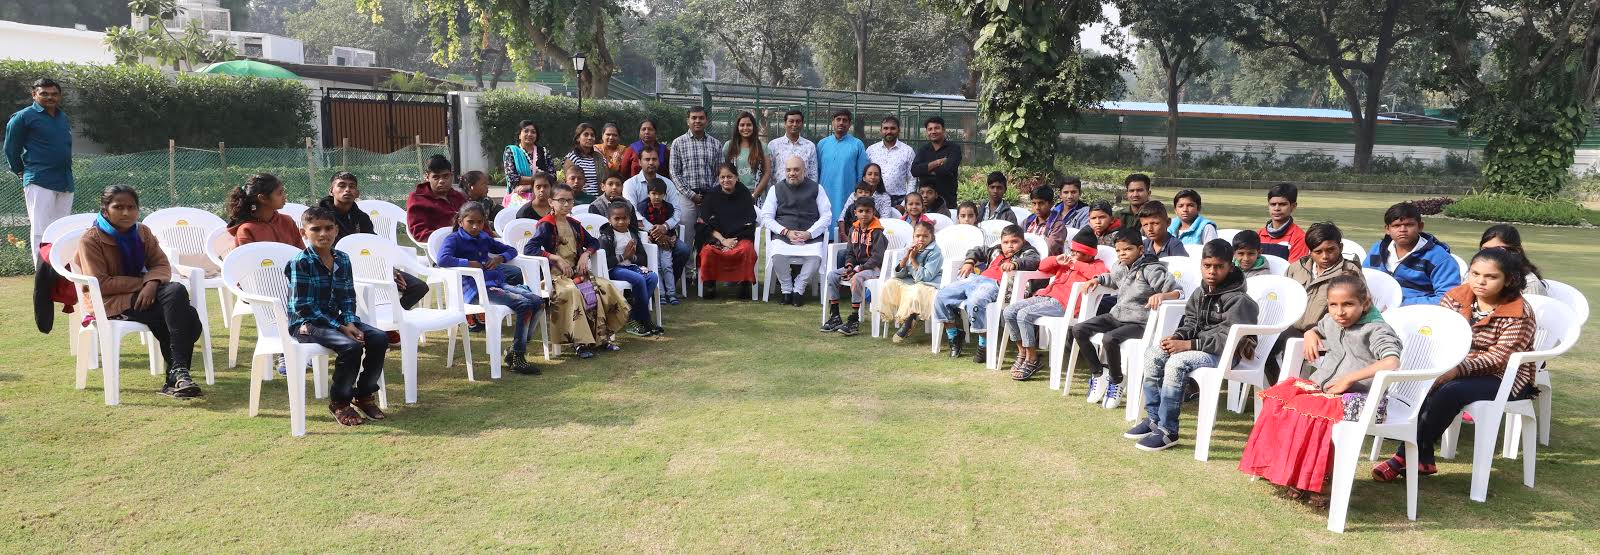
1097	389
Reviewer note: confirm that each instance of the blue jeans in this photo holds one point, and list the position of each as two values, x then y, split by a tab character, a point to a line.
671	266
1164	376
1021	318
642	285
973	295
357	365
525	305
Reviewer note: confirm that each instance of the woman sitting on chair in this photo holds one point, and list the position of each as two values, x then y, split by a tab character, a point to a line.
136	283
586	310
728	216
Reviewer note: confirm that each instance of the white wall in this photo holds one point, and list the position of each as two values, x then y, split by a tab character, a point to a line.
39	43
472	156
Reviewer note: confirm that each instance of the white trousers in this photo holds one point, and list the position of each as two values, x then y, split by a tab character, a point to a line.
44	208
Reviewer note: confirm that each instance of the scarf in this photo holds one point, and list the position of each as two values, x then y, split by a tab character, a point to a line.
520	158
129	243
1278	233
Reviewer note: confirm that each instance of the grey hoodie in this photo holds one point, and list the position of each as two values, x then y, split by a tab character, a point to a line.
1353	348
1134	287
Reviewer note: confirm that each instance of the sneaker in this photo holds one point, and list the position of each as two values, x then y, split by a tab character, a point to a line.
711	290
475	324
957	343
1095	395
610	347
905	329
786	299
585	352
1191	391
832	324
671	299
1160	440
1113	395
368	405
283	365
981	354
1140	430
635	328
851	327
652	329
394	340
519	364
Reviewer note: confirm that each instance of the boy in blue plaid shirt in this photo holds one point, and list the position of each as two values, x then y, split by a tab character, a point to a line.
322	310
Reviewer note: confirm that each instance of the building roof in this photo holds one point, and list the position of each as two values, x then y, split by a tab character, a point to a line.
1235	112
366	76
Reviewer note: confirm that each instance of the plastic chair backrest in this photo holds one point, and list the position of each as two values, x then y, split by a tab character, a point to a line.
1558	323
1460	265
1107	255
1280	301
385	215
371	257
1020	213
1276	266
1352	250
1228	234
218	244
258	269
64	250
954	212
940	221
1433	338
436	244
72	222
1386	293
897	232
954	242
293	210
503	219
183	230
991	230
591	222
1039	242
1569	295
519	232
1185	272
1193	250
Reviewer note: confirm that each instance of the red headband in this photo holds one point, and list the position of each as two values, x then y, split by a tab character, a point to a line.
1085	249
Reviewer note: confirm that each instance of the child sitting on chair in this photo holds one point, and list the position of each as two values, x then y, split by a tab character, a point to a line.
975	291
1141	282
967	213
322	310
1199	340
914	214
1288	444
863	256
476	184
629	262
848	217
1021	317
932	203
1247	255
910	294
469	245
1045	222
1101	221
663	219
585	310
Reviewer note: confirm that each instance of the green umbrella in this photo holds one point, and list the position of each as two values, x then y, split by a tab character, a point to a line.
248	68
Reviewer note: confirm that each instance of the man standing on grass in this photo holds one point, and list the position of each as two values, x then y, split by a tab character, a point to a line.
693	161
841	159
790	145
939	160
38	147
894	158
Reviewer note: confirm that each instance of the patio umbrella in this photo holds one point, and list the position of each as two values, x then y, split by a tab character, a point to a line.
248	68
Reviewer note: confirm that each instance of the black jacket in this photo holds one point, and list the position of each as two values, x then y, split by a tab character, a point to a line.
354	221
1212	311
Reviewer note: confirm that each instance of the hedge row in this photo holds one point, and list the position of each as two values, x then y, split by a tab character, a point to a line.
136	108
1518	209
558	116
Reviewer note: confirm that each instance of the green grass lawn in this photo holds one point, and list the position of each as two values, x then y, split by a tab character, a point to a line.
743	430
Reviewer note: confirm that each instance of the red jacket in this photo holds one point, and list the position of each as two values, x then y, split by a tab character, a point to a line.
425	212
1294	238
1060	288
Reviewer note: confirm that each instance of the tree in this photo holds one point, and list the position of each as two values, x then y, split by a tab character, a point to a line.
1354	40
190	47
1178	32
549	31
679	49
767	42
1535	108
887	47
392	35
1036	73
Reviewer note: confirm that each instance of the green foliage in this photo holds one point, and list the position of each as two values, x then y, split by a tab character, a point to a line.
1520	209
134	108
328	23
901	35
679	49
409	82
766	43
557	116
1036	74
192	47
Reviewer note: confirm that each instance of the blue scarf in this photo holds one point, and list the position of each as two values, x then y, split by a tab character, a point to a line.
129	243
1192	235
520	158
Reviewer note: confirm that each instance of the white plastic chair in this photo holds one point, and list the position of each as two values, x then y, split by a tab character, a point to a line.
1461	265
1557	333
1353	251
502	219
294	210
494	315
255	274
1386	293
1280	301
1579	304
385	216
1020	213
1275	265
535	273
183	232
897	235
1160	323
768	248
597	263
1434	340
53	233
940	221
954	243
373	261
102	336
1228	234
1194	250
991	230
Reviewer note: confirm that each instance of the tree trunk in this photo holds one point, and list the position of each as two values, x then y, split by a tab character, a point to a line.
499	69
1172	115
860	29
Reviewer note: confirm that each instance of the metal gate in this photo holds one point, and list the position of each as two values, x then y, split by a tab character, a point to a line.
384	121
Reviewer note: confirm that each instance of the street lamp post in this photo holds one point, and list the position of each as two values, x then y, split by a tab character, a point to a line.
578	61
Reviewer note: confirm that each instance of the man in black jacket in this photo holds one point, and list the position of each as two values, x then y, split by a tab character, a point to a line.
343	192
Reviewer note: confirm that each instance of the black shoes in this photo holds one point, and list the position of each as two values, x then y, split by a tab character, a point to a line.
980	356
711	290
850	327
833	323
956	343
519	363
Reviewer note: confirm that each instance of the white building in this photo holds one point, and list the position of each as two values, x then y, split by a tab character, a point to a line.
39	43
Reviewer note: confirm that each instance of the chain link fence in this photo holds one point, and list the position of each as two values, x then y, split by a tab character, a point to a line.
201	178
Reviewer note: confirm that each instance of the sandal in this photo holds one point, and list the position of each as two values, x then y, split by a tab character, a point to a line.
1389	470
1027	370
345	414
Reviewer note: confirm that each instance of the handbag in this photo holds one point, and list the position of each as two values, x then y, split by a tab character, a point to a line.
591	299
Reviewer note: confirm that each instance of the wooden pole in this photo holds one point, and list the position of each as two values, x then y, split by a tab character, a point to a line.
416	142
172	169
344	155
222	156
311	171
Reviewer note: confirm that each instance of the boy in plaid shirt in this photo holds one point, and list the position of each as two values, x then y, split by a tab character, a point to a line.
322	310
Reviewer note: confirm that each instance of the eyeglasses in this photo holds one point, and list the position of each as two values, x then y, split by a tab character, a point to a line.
561	201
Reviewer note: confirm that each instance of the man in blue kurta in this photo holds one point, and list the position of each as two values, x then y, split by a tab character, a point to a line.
841	159
38	149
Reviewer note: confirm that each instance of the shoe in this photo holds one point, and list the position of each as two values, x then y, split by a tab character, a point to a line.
183	386
394	340
1113	395
1191	391
585	353
799	299
1159	440
671	299
981	354
850	327
653	330
519	364
1140	430
610	347
711	290
905	329
1095	395
957	343
1027	370
345	414
832	324
368	405
475	324
283	365
634	328
786	299
744	289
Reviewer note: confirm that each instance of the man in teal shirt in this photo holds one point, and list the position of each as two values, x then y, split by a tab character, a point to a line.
841	159
38	149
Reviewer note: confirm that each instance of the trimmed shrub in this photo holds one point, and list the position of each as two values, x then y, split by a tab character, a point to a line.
1518	209
557	116
137	108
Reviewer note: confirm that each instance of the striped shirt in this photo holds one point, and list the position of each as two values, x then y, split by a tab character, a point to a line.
586	164
1509	329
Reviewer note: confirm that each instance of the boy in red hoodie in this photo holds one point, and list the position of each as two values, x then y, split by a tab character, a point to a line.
1077	264
435	201
1280	229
